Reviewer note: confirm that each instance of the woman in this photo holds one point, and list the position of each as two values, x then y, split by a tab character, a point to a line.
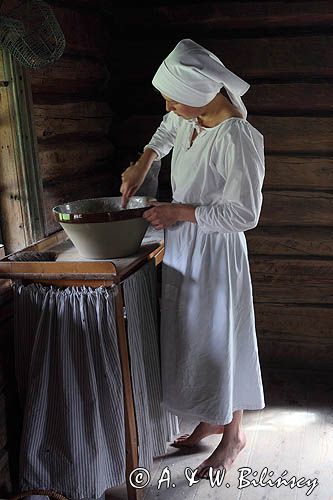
209	355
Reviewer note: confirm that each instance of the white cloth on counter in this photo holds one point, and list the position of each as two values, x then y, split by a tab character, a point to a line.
209	353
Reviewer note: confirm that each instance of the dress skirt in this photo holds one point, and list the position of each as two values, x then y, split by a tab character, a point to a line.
209	353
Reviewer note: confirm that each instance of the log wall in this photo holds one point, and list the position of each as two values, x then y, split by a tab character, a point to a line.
73	113
284	50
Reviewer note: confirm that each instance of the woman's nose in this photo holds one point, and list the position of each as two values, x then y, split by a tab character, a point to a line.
168	106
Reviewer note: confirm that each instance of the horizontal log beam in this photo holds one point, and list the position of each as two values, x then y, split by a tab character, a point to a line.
290	241
299	98
294	323
298	172
279	58
68	159
74	75
301	208
298	134
295	336
84	118
217	17
285	280
283	354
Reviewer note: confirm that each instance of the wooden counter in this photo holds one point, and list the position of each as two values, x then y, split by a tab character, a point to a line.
69	269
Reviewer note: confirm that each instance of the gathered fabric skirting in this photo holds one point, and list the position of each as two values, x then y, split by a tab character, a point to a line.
70	384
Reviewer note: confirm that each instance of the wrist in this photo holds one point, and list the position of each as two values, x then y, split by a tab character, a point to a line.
186	213
146	160
142	165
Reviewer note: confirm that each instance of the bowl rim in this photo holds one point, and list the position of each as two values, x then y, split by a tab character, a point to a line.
79	218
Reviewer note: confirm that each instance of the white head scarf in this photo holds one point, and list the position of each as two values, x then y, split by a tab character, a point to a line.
193	75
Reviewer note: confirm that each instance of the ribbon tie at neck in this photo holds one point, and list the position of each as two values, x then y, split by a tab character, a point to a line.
196	125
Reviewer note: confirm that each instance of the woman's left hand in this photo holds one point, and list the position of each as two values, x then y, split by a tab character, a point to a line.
162	215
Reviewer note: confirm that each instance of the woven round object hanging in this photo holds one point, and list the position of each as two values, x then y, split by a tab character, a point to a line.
32	34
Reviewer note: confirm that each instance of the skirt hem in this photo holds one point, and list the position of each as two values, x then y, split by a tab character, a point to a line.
218	421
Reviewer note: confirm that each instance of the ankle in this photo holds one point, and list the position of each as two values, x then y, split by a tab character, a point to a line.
236	436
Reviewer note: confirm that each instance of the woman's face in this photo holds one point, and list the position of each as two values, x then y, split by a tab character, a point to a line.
183	110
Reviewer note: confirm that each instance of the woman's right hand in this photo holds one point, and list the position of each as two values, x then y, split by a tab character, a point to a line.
132	179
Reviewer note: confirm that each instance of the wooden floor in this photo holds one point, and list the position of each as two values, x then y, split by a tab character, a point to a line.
293	433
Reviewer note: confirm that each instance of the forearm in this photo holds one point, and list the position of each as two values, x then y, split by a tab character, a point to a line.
230	217
146	159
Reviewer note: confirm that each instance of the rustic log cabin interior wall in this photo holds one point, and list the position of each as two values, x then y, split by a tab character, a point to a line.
95	109
284	50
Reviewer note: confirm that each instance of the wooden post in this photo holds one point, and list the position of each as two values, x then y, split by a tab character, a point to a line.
131	433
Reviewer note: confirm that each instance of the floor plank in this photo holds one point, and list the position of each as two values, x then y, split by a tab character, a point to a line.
293	433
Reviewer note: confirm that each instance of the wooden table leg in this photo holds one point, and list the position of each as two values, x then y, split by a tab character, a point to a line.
132	460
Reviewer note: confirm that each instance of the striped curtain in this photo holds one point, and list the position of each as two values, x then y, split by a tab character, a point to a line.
70	384
156	426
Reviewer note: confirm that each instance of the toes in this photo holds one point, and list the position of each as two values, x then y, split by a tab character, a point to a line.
180	440
217	471
206	473
202	473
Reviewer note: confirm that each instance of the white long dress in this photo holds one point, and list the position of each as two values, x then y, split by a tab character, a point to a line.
209	355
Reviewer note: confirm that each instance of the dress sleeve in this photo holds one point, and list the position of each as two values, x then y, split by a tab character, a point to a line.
242	162
164	138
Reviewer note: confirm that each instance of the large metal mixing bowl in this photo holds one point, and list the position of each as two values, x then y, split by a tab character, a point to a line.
101	229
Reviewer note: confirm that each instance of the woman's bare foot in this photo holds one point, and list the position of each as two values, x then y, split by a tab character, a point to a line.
201	431
231	444
223	456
